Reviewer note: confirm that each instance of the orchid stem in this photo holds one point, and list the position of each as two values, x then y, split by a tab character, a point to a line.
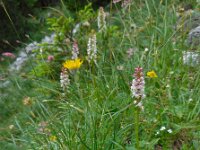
137	145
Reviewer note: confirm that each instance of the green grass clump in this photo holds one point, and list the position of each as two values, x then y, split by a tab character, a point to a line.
97	110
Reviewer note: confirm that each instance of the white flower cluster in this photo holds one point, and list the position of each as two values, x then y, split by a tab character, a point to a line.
92	48
64	79
101	20
137	87
163	128
75	50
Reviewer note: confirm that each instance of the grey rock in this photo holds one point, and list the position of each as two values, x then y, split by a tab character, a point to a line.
5	84
188	21
191	58
30	47
194	37
27	52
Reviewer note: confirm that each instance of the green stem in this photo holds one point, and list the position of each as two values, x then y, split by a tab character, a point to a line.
137	145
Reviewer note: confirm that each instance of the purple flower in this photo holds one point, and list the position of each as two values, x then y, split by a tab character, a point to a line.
75	50
50	58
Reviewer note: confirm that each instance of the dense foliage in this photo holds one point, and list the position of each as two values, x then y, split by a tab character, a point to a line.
111	78
21	17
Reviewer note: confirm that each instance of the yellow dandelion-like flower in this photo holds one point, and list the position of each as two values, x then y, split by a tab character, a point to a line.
52	138
72	64
152	74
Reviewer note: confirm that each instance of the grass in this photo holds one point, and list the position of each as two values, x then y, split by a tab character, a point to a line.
97	111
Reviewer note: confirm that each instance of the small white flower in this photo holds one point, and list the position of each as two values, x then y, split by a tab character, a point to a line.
11	126
167	86
162	128
120	67
146	49
140	105
155	120
157	133
190	99
41	51
86	24
77	27
169	130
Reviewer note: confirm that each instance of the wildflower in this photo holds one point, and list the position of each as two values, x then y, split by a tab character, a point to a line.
52	138
190	100
41	51
130	52
162	128
86	24
92	48
157	133
8	54
152	74
27	101
140	105
120	67
76	28
50	58
72	64
126	3
146	49
137	87
64	79
67	41
42	128
75	50
116	1
43	124
169	130
11	126
101	20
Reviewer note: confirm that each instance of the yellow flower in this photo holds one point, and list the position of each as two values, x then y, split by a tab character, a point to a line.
27	101
152	74
52	138
72	64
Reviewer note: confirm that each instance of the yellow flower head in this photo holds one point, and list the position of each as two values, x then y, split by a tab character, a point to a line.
152	74
52	138
72	64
